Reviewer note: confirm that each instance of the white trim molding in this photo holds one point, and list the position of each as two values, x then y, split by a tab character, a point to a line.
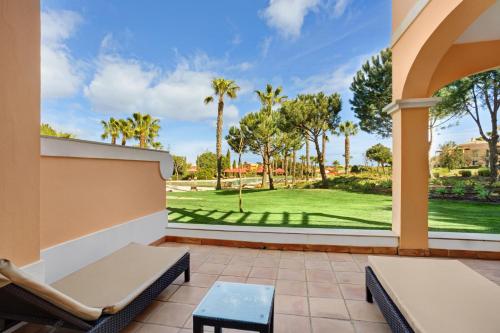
412	15
410	103
283	235
92	247
464	241
62	147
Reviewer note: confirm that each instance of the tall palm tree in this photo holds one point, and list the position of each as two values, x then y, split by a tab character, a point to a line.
221	88
111	129
348	129
270	97
126	129
145	128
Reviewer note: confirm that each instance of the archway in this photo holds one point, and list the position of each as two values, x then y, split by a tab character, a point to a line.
434	43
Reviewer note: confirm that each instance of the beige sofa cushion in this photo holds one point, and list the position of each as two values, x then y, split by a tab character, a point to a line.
11	274
437	295
114	281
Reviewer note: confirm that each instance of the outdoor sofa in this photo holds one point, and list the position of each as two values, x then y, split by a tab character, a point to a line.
432	295
102	297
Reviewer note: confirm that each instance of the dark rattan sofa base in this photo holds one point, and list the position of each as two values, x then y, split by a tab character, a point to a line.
393	316
17	304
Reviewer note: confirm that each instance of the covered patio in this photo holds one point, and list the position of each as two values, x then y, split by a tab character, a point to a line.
61	197
316	291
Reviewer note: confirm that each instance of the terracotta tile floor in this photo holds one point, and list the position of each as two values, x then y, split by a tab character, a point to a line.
315	292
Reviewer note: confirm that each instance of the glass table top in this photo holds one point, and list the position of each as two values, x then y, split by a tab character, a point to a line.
237	301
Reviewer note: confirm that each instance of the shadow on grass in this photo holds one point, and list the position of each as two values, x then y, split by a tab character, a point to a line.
236	192
305	219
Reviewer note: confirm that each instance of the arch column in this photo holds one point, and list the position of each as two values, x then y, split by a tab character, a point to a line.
410	174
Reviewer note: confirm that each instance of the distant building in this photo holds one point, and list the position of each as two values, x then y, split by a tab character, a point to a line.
476	152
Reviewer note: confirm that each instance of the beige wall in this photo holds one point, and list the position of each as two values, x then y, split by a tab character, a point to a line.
465	59
417	54
410	177
400	8
19	137
424	59
83	195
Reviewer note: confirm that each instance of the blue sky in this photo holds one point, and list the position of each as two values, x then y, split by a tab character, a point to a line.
112	58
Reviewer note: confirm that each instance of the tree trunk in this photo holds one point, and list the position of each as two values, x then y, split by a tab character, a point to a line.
323	143
324	180
264	169
240	199
124	141
285	164
113	140
142	141
294	165
269	169
307	160
493	147
493	159
347	153
218	147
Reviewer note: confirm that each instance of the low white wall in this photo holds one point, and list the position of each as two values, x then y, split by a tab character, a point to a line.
464	241
65	258
280	235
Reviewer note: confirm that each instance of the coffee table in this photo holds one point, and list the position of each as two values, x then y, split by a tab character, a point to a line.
236	305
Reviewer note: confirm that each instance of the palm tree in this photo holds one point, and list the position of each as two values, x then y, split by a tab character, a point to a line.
158	146
126	130
145	128
348	129
221	88
270	97
111	129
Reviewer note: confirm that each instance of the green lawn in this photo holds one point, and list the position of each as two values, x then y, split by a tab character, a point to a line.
322	208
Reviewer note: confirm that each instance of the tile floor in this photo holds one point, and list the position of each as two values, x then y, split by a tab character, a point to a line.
316	292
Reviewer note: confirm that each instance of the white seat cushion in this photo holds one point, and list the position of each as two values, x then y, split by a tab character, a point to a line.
439	295
114	281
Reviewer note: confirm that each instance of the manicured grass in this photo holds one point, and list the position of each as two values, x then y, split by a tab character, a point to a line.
322	208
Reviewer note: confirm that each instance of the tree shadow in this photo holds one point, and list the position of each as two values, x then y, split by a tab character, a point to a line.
286	218
303	219
264	218
236	192
242	219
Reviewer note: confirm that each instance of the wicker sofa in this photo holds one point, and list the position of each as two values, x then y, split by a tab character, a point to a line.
432	295
102	297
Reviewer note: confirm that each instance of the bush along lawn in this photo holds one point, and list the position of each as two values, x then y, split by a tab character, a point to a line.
327	208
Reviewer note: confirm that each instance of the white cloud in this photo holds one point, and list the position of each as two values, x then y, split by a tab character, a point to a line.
265	45
126	86
337	80
287	16
340	6
61	74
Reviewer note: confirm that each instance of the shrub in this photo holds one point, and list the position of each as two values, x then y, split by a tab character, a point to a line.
356	169
483	193
435	174
441	191
484	172
458	189
465	173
